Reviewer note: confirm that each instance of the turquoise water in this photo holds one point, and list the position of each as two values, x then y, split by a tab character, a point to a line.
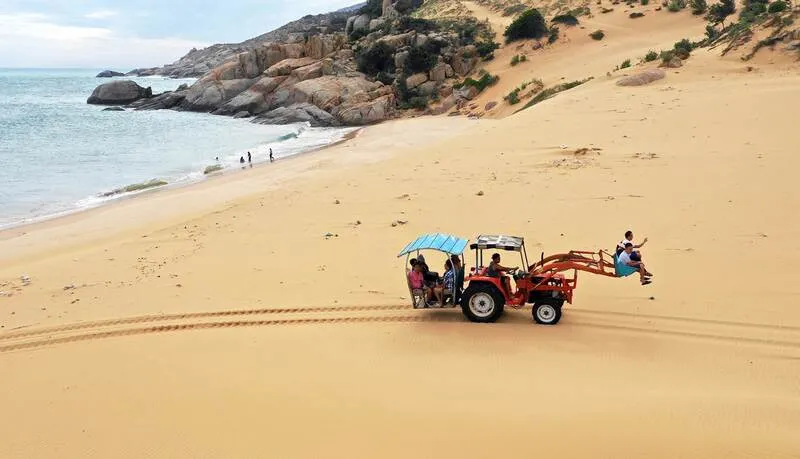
59	154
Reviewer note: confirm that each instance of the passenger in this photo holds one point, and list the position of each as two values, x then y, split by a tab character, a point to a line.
497	270
629	238
632	266
416	280
448	282
459	278
431	278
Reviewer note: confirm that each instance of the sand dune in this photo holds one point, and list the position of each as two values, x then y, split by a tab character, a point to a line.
263	313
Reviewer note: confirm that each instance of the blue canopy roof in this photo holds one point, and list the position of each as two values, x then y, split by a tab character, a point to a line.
446	243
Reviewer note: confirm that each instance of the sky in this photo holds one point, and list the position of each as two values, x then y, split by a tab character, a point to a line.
123	35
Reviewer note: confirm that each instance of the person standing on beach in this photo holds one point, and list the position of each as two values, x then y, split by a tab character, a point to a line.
271	158
249	158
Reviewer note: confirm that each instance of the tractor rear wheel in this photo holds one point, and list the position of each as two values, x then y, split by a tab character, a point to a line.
481	302
547	311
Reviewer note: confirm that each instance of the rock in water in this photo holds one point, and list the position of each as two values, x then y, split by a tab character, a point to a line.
109	74
119	93
113	109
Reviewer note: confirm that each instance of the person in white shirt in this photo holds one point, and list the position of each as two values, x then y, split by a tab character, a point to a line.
624	259
629	238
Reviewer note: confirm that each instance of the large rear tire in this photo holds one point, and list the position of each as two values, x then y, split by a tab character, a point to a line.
482	302
547	311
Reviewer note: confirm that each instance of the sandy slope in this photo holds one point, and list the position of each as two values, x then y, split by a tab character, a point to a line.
702	163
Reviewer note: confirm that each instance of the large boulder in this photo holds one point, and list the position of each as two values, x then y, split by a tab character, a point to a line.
298	113
361	23
329	91
310	71
255	99
428	88
119	92
319	46
109	74
368	112
286	66
376	24
415	80
440	71
641	78
465	60
400	59
348	28
397	41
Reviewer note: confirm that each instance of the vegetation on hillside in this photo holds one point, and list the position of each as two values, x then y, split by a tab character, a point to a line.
529	24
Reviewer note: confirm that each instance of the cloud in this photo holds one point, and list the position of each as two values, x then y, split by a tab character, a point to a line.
101	14
34	40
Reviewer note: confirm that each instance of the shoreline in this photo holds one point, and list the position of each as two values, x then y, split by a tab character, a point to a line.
126	196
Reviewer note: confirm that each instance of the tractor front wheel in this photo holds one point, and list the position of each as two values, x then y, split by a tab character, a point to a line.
481	302
547	312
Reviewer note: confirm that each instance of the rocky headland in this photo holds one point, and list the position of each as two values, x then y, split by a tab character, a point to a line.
343	68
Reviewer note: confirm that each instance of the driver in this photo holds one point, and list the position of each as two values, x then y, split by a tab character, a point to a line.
496	270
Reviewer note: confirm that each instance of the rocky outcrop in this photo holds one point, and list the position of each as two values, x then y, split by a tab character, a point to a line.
286	66
162	101
209	93
361	23
109	74
369	112
119	92
113	109
254	99
298	113
415	80
642	78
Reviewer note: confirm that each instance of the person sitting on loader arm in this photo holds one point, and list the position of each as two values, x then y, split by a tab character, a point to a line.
497	270
632	265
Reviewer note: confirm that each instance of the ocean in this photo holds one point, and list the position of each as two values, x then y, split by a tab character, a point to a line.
59	155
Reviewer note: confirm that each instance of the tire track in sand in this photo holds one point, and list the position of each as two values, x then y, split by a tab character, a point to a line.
208	325
189	316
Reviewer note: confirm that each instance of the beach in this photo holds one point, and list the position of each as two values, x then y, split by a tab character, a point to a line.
265	314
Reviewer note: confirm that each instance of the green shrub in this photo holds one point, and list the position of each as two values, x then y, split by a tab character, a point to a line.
625	64
606	10
711	32
667	56
480	84
778	6
676	5
378	58
698	6
523	58
513	97
419	60
597	35
515	60
566	19
635	15
553	36
529	24
373	8
719	11
650	56
384	78
645	2
684	46
486	48
581	11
